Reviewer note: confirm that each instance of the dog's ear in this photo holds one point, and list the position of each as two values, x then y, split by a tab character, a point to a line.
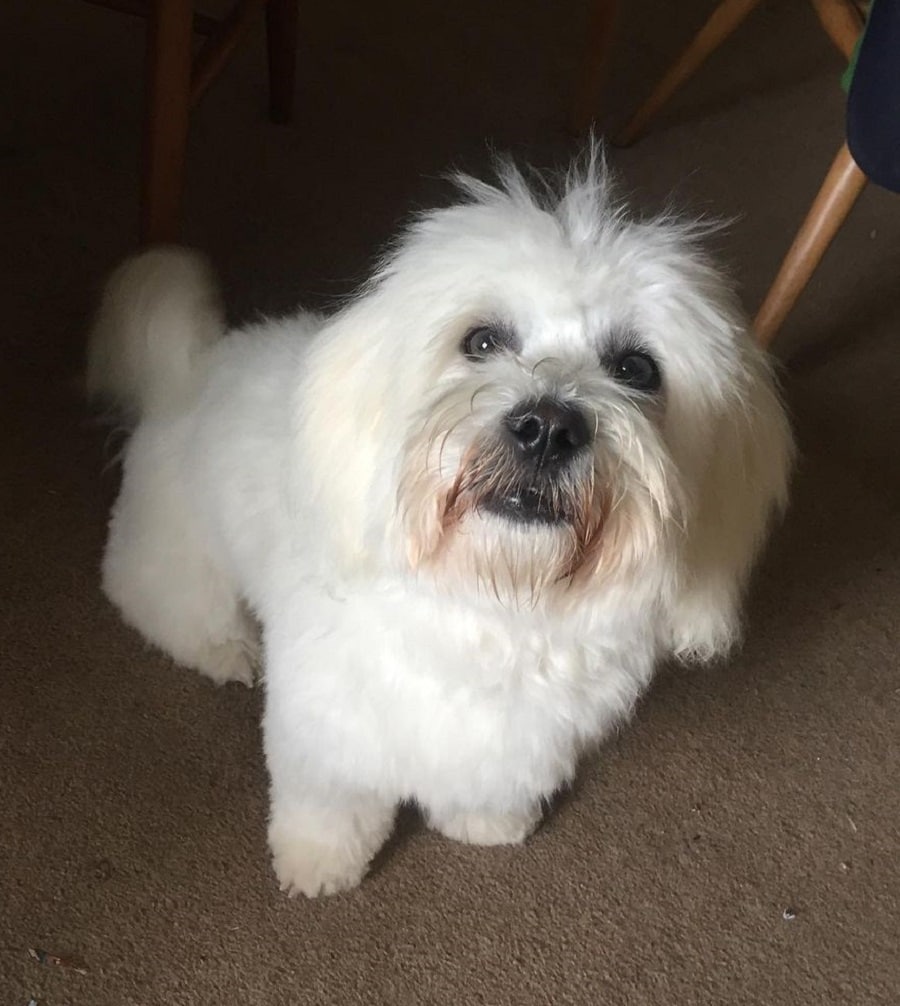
357	396
742	484
341	423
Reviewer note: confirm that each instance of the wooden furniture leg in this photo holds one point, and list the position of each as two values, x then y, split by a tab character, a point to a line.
840	190
596	64
203	25
220	45
841	21
282	19
166	118
722	22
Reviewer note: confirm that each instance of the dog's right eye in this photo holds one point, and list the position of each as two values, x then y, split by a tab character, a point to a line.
484	341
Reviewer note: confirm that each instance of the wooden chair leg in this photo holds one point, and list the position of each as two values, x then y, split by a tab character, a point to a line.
203	25
840	190
166	119
282	19
842	22
722	22
598	50
221	44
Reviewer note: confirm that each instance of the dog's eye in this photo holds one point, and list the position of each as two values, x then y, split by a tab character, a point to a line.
638	371
484	341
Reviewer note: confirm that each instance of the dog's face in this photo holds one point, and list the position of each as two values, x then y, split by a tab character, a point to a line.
537	462
553	400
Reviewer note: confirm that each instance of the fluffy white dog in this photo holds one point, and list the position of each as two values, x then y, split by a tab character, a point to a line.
471	511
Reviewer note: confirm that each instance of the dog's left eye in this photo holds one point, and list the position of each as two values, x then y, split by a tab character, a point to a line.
637	370
484	341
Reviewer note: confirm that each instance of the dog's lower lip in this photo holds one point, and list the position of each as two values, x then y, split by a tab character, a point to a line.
527	506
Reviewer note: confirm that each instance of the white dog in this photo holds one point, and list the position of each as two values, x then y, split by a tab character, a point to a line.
471	511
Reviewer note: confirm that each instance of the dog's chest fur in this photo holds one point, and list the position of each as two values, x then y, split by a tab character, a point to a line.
428	695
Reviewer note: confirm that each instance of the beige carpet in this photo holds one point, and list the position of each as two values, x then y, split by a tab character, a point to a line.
738	843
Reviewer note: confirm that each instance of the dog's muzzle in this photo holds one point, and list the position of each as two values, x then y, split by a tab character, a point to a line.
544	437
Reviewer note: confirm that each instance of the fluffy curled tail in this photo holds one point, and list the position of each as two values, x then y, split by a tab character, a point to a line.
159	313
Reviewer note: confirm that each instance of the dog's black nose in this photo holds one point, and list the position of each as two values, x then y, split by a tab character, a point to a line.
548	432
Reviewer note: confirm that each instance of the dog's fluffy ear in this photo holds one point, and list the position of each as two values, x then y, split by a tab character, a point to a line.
743	485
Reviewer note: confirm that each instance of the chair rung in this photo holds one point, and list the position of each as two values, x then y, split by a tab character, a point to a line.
203	24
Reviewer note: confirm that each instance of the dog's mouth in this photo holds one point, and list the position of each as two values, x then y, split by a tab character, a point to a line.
525	505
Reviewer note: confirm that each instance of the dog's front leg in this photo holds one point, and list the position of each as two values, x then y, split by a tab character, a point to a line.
323	843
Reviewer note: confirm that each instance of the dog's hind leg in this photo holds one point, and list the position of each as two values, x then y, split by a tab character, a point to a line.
160	571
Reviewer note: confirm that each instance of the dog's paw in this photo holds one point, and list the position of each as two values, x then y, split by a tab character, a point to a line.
485	828
320	848
237	660
311	868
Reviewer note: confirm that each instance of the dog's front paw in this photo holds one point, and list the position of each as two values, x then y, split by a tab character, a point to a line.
484	827
323	850
311	868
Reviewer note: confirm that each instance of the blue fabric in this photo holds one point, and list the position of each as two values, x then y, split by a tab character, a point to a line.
873	104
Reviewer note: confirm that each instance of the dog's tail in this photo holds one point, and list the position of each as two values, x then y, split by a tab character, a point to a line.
159	314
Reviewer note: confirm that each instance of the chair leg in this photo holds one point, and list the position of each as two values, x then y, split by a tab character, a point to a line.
722	22
841	21
840	190
221	45
596	64
165	119
281	40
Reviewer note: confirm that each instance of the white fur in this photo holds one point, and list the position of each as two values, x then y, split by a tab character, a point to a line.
296	475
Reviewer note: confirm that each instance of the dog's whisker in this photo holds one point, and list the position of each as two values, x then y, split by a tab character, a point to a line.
483	389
